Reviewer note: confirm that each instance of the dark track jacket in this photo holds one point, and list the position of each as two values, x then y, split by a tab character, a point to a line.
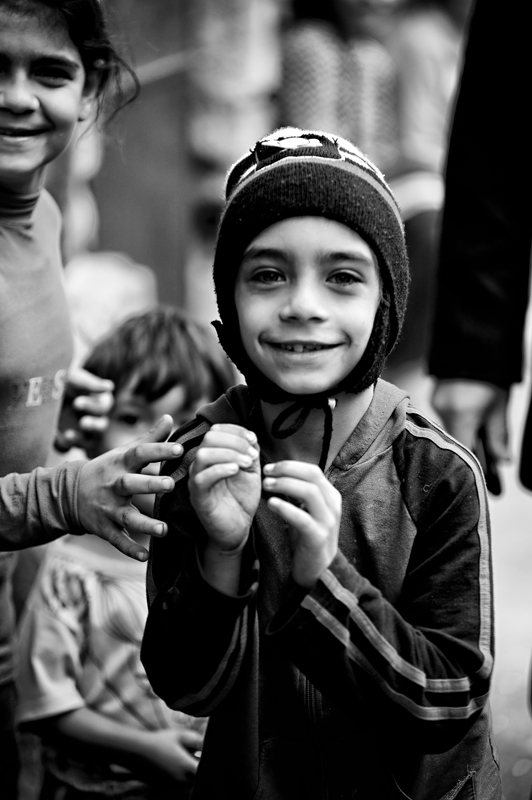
374	684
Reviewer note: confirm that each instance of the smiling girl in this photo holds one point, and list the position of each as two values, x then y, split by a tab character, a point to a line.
57	65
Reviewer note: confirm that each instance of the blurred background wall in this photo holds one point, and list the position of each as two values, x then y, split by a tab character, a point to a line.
144	180
208	69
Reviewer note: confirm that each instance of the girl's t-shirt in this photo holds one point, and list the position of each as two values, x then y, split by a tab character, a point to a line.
35	353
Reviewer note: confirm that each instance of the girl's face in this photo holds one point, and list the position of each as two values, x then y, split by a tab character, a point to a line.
44	92
306	296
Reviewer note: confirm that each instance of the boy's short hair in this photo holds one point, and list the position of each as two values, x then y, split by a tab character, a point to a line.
295	173
152	352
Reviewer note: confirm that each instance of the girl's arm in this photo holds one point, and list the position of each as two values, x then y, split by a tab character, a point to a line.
92	497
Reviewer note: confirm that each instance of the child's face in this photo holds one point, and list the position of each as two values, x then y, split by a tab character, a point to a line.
43	94
306	296
130	417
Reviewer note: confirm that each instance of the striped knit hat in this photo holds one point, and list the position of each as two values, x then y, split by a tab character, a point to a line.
294	173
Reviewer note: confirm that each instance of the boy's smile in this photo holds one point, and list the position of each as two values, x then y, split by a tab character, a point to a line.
43	95
306	296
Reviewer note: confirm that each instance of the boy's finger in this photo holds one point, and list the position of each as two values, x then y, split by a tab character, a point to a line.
303	494
191	739
139	456
92	424
210	456
237	430
65	440
80	378
292	515
228	440
95	404
310	474
134	483
207	478
295	469
129	519
121	540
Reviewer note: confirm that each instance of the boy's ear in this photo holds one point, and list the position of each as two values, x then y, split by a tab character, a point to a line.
89	96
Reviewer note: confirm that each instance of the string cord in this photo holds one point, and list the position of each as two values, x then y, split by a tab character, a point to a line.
327	405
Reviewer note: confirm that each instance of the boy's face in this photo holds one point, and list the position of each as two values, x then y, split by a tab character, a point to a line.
43	95
306	295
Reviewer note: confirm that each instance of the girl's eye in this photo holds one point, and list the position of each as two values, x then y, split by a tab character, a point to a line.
53	76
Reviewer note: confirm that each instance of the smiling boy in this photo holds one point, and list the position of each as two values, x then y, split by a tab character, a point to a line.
328	568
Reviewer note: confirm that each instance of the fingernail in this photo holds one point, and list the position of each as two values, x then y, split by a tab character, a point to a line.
246	461
253	453
159	529
177	449
167	483
268	483
268	468
250	436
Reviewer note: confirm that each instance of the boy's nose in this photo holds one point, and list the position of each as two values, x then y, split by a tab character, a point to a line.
17	95
304	301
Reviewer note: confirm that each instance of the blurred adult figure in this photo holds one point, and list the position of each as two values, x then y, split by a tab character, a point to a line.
484	265
425	43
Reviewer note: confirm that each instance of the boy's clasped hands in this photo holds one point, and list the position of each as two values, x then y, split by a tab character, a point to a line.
225	488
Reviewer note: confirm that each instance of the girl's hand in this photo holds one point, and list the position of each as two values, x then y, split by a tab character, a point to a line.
108	483
313	515
170	752
86	406
224	485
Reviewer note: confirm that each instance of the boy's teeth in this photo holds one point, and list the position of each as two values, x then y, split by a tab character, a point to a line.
301	348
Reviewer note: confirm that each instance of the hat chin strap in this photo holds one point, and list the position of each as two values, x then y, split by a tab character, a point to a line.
328	404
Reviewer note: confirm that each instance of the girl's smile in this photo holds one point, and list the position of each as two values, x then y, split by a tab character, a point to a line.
43	95
306	296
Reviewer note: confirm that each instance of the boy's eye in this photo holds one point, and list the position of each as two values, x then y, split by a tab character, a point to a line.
267	276
344	278
128	419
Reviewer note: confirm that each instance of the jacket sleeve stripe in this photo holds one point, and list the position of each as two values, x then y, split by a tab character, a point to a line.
443	441
397	662
429	713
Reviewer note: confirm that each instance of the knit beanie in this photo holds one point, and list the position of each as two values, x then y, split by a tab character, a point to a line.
295	173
